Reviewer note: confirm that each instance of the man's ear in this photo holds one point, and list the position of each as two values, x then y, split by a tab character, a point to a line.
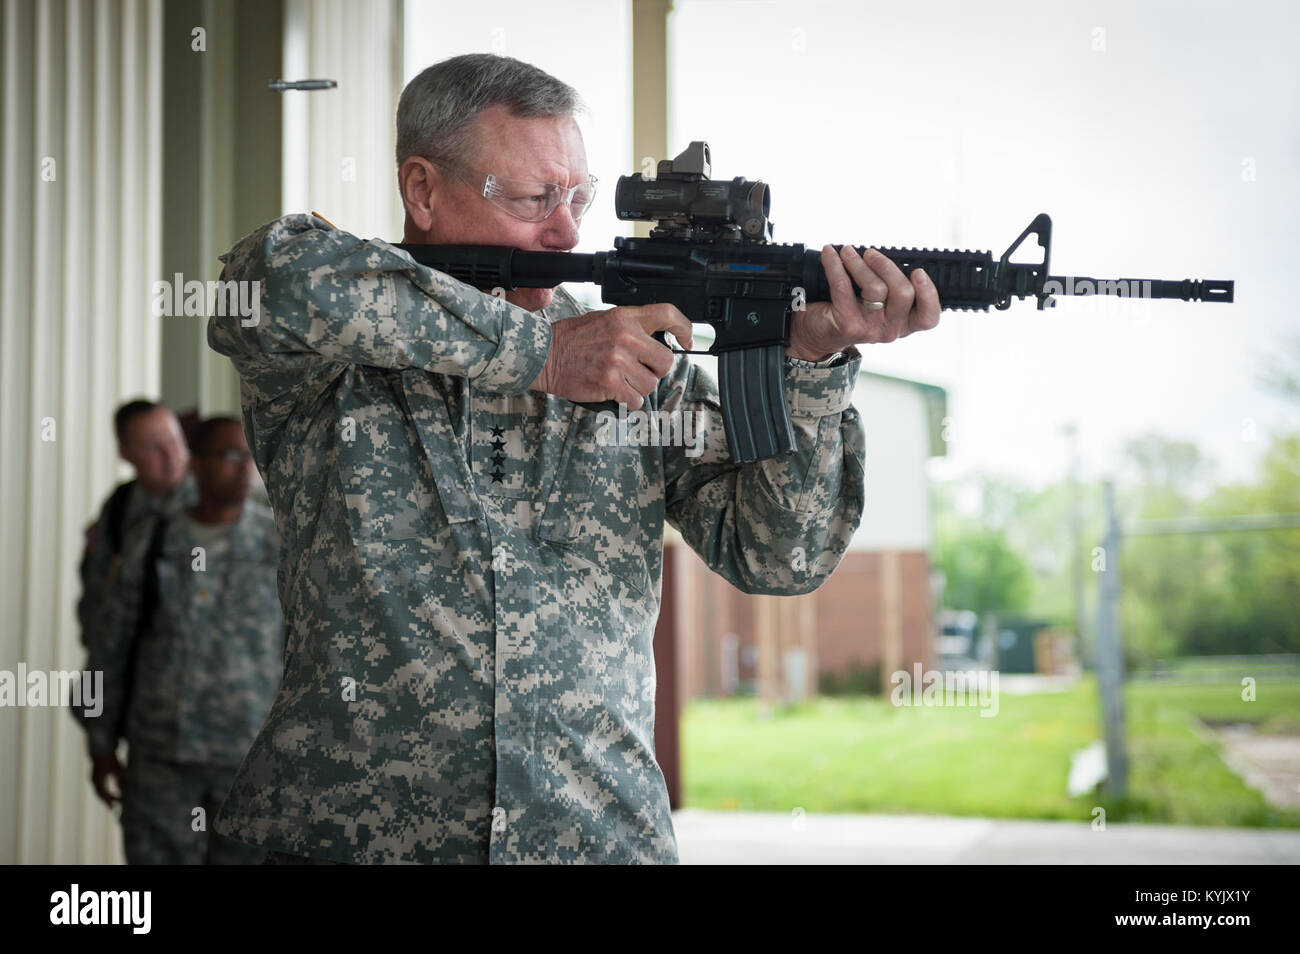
421	184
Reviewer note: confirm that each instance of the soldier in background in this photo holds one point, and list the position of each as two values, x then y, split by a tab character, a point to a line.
191	648
150	439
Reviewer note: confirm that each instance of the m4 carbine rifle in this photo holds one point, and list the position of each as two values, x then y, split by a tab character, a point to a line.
712	256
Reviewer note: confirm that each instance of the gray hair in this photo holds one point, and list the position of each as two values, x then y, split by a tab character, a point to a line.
436	114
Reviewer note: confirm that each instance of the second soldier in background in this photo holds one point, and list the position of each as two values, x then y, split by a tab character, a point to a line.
191	646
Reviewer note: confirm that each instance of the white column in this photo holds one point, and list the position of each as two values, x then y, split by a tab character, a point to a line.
79	173
338	144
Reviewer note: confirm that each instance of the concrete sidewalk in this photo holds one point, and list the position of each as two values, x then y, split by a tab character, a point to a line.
709	837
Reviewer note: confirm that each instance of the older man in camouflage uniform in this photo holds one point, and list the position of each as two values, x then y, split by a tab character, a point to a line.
471	579
192	651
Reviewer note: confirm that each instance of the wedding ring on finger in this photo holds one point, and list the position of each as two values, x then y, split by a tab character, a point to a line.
873	305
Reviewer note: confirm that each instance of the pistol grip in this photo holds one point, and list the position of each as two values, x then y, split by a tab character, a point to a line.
612	406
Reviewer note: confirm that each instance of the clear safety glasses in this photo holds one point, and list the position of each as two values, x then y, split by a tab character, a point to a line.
524	198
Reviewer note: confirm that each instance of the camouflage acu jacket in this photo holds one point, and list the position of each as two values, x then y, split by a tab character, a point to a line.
470	575
209	662
100	564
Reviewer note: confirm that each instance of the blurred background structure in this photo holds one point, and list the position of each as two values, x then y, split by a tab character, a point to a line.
140	141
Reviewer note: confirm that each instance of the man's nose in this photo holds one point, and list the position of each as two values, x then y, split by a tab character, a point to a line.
560	230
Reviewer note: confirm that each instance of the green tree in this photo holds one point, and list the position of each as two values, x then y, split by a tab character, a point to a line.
1010	550
1257	586
982	572
1165	576
1014	544
1281	375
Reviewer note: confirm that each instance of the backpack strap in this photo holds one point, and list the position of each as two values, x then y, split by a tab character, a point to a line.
149	597
115	511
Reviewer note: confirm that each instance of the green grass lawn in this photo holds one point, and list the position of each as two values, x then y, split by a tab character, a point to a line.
860	754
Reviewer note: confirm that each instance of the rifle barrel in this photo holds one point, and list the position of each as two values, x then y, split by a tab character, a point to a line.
1187	290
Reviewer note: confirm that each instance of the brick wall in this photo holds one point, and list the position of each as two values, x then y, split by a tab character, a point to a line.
856	618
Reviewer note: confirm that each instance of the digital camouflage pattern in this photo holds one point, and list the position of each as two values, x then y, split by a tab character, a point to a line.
99	564
167	815
471	580
208	665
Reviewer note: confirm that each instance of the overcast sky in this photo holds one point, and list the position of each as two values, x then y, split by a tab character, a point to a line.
1161	137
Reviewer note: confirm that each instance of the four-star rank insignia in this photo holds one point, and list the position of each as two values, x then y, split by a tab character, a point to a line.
498	455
